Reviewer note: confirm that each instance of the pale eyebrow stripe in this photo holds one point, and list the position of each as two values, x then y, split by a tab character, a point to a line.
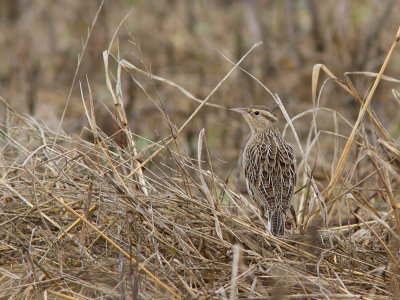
270	116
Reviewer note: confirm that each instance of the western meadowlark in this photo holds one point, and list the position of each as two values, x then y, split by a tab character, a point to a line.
269	166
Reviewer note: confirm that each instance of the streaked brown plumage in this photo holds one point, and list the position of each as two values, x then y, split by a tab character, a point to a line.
269	166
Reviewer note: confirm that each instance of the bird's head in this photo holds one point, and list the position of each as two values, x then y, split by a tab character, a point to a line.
259	118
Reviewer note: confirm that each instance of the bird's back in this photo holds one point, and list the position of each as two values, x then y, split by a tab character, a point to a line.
269	166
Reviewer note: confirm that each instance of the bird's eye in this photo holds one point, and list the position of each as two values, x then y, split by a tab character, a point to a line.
256	113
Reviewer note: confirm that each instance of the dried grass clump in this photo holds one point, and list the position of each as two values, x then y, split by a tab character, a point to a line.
82	220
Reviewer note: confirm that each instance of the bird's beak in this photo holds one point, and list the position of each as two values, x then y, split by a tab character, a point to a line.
239	110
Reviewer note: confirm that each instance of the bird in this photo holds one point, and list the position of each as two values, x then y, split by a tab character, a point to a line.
269	166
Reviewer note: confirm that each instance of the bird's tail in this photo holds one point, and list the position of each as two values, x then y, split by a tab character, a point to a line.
277	220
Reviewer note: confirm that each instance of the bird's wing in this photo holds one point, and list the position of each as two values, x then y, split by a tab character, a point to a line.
252	168
287	162
272	175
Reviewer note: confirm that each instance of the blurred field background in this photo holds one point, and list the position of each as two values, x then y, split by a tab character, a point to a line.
180	40
49	47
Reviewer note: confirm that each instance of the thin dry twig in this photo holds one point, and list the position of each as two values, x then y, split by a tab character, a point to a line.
343	158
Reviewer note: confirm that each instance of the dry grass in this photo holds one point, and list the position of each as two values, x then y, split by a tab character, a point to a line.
84	220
